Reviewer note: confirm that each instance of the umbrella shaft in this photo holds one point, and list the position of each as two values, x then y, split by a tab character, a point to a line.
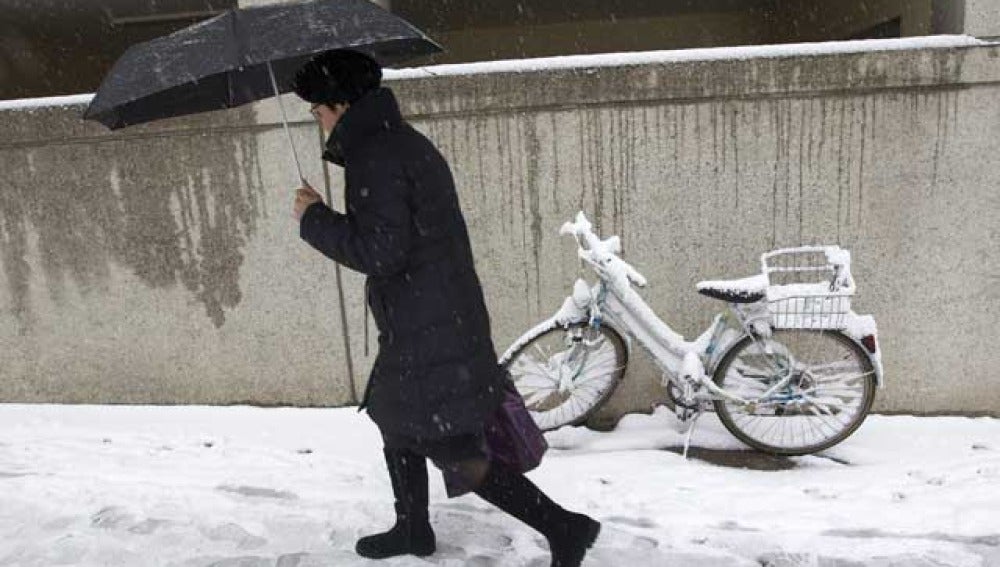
284	122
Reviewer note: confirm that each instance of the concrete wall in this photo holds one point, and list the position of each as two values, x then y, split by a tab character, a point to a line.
982	18
160	264
948	16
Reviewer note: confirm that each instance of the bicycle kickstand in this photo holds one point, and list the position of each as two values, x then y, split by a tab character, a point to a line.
687	437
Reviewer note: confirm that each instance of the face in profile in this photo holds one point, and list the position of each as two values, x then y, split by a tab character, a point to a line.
329	114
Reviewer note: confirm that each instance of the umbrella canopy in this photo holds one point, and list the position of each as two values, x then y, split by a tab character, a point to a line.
245	55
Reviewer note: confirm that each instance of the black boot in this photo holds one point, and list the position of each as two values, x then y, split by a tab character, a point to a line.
412	534
569	534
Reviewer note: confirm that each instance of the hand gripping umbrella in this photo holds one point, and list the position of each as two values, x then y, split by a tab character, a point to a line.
245	55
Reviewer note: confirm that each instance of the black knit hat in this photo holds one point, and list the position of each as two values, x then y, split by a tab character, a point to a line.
338	75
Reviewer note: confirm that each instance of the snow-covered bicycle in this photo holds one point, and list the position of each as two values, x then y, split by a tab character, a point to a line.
790	369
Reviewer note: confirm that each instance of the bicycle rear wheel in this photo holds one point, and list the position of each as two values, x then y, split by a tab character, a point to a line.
566	373
831	391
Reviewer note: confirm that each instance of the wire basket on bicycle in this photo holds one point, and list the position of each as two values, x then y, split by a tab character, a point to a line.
809	287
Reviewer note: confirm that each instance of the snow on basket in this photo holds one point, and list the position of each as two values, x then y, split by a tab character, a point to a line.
809	287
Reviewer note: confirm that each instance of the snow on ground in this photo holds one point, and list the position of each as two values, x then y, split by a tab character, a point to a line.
241	486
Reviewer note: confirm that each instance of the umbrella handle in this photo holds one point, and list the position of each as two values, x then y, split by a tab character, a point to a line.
284	122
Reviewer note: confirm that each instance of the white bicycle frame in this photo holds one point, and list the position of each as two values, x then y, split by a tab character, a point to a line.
614	300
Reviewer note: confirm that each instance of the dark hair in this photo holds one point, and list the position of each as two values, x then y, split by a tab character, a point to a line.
338	75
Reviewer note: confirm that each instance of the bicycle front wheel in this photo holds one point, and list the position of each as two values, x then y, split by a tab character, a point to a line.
830	392
566	373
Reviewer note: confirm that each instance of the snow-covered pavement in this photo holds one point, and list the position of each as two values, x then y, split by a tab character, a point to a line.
242	486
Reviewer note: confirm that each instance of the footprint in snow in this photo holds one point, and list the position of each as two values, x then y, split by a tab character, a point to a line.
612	538
5	474
786	559
326	559
482	561
257	491
820	493
473	535
117	518
628	556
111	517
235	534
148	526
457	553
730	525
246	561
922	477
217	561
633	522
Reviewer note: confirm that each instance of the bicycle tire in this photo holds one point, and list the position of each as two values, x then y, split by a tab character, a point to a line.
549	423
858	354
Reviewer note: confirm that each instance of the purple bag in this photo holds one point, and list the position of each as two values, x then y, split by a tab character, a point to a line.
512	439
512	436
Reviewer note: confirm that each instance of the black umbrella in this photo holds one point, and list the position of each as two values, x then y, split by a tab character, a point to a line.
245	55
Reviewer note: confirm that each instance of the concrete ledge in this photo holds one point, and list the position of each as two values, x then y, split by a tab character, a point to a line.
810	75
566	88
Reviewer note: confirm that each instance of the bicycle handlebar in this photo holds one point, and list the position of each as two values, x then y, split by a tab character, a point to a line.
601	254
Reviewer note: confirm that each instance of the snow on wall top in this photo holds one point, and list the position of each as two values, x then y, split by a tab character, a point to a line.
30	103
742	52
684	55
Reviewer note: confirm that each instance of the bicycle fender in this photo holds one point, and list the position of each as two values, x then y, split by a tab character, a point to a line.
876	359
576	308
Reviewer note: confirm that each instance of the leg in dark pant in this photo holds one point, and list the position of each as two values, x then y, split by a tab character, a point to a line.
412	533
569	534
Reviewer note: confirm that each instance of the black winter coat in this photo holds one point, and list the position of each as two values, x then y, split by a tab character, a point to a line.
436	372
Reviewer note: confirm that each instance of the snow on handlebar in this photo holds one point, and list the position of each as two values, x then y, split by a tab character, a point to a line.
601	254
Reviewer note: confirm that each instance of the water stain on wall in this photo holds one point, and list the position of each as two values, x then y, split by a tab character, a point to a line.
13	253
532	151
173	211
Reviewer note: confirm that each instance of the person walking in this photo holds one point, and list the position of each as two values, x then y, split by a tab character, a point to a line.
435	381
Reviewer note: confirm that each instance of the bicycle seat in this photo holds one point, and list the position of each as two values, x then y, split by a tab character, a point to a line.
746	290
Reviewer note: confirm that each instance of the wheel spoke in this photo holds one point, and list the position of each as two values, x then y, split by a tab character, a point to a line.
535	381
602	376
541	370
535	399
541	352
839	378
